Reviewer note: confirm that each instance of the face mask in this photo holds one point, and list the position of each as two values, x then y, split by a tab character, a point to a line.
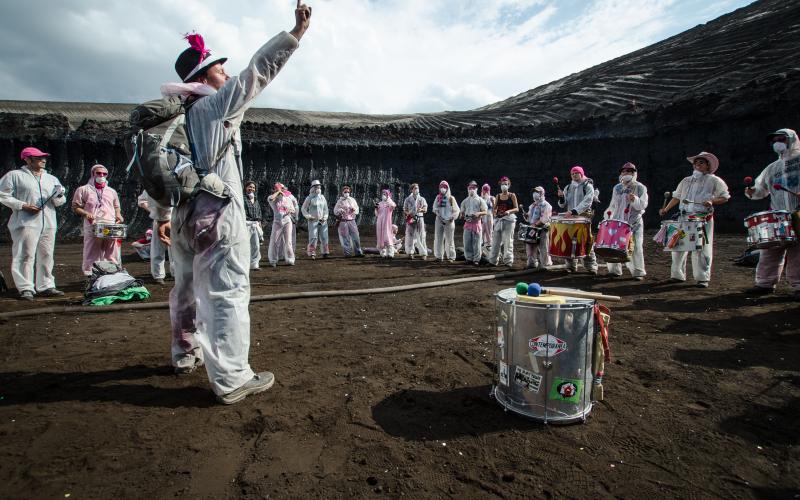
504	187
316	190
415	192
778	147
251	195
537	196
384	197
697	174
100	180
346	195
472	192
443	190
626	178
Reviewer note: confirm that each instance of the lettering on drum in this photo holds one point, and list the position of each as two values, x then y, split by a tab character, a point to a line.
547	345
529	380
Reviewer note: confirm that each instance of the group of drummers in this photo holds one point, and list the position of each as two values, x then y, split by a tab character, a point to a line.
489	222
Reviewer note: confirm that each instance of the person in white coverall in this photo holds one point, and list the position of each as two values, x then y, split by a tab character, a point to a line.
473	208
210	242
488	220
628	203
445	207
32	195
254	218
346	210
780	180
539	215
283	236
414	208
697	195
506	208
577	197
158	251
315	210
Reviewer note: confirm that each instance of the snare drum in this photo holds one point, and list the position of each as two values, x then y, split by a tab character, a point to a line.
614	241
771	229
570	237
681	235
544	357
531	234
107	231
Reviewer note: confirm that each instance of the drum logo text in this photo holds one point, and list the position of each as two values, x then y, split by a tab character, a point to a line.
526	379
547	345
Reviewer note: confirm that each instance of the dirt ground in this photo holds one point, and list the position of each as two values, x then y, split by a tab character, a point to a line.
388	394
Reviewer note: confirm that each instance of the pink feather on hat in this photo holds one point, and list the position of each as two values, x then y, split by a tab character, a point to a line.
197	43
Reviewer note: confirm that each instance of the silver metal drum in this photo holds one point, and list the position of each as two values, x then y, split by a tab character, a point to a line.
543	354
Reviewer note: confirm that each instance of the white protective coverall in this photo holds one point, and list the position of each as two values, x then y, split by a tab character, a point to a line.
621	208
503	232
210	241
283	237
445	207
539	213
784	171
414	207
158	250
33	236
696	190
346	209
578	197
473	227
315	210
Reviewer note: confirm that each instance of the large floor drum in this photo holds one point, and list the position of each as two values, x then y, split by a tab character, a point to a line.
544	357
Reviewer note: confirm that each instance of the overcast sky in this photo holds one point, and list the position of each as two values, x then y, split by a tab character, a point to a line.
367	56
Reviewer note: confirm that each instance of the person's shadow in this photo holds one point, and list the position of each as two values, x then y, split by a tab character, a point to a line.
131	385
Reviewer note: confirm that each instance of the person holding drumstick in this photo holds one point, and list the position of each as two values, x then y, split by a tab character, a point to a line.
472	209
32	194
97	203
505	218
697	195
577	197
628	202
780	180
539	214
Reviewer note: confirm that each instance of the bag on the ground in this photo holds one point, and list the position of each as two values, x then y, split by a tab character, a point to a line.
748	259
107	279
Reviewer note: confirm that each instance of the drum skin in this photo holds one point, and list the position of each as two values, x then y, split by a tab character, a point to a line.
544	358
614	241
570	237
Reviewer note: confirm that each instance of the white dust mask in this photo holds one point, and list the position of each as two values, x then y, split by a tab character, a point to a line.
504	187
346	195
443	190
697	174
626	178
384	197
472	192
251	196
537	196
779	147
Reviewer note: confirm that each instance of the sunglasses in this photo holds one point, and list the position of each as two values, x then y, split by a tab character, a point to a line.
101	174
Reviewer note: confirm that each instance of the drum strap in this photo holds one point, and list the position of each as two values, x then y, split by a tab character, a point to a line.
603	316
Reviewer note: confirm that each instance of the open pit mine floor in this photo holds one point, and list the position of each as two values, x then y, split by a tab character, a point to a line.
389	394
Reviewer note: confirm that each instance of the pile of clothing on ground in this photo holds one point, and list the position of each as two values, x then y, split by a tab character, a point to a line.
110	283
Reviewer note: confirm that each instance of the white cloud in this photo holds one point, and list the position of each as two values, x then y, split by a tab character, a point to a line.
359	55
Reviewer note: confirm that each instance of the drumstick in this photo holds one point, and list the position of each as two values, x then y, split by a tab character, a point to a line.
748	181
780	187
667	197
555	181
535	289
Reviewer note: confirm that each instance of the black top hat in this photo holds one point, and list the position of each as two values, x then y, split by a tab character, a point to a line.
195	60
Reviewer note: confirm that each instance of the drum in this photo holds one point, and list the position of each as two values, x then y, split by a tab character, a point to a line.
771	229
109	231
614	242
531	234
570	237
543	354
681	235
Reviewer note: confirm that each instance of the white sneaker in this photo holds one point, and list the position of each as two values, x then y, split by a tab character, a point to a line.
259	383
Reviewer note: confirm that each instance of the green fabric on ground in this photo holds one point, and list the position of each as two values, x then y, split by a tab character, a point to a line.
130	293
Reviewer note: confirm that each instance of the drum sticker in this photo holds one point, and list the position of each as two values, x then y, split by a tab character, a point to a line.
567	390
501	339
526	379
503	373
547	345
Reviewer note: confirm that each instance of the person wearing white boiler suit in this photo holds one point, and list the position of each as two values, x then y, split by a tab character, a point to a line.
628	203
283	236
32	195
505	219
158	251
210	242
473	208
414	208
315	210
780	181
446	209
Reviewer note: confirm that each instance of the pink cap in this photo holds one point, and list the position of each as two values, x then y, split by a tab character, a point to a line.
505	179
31	151
577	168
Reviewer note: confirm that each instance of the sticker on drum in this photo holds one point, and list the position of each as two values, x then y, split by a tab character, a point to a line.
547	345
529	380
566	389
500	338
503	373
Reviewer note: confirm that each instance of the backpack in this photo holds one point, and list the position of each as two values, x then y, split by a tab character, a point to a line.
164	161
